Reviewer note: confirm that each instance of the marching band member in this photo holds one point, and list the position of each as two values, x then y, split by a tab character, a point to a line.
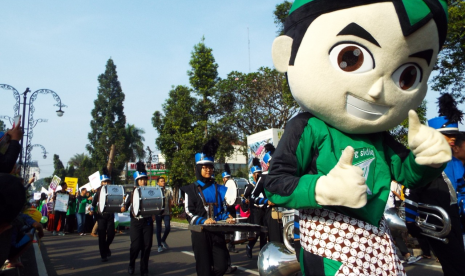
205	204
445	191
105	221
259	209
274	226
232	211
141	230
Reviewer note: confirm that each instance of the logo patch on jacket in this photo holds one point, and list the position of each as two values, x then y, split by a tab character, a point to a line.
363	158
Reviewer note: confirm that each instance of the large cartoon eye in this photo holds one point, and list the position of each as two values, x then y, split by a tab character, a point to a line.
351	58
407	77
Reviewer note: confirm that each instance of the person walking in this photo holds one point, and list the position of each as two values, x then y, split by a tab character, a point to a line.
141	229
60	216
165	217
106	221
82	201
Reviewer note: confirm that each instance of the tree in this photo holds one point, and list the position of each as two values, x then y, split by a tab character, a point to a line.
60	170
451	60
107	140
203	77
134	145
77	159
280	14
256	101
70	171
178	135
2	126
86	168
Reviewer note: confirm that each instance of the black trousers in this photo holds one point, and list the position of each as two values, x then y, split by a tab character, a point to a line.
451	255
275	229
141	233
258	217
106	234
59	217
70	225
211	254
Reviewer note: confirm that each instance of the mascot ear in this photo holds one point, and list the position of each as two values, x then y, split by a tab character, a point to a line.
281	52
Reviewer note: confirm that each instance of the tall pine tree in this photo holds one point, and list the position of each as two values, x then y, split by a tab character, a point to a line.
107	138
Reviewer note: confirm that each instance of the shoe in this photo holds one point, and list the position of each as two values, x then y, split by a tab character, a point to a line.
61	233
165	246
54	233
130	270
104	259
160	249
248	251
109	253
231	270
413	259
82	234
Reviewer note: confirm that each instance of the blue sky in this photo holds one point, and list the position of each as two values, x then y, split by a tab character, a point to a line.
64	46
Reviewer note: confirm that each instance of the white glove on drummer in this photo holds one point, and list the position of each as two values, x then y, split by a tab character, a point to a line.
344	185
427	144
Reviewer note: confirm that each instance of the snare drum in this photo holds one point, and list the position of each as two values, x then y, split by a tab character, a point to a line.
231	194
147	201
111	199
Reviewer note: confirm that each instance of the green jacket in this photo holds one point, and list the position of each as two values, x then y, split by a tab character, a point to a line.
310	149
82	204
71	208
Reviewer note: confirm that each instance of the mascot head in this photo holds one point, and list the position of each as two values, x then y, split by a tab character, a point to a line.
360	65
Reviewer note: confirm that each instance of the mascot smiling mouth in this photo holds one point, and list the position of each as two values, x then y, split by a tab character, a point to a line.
364	109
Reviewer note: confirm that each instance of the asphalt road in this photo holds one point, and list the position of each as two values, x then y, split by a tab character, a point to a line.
76	255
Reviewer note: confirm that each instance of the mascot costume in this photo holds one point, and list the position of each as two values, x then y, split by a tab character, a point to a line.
358	68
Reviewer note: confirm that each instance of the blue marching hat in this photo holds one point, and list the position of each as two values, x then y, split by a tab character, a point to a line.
256	166
449	116
207	156
105	175
227	171
140	171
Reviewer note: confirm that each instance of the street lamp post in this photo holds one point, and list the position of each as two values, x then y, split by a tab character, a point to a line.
31	123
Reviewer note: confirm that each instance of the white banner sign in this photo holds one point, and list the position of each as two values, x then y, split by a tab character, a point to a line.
37	196
61	202
94	180
43	190
88	187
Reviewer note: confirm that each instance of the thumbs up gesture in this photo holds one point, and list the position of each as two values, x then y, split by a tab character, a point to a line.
427	144
344	185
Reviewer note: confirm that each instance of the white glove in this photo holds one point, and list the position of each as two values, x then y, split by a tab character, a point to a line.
427	144
344	185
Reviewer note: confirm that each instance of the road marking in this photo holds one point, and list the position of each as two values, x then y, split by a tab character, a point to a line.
436	266
39	260
240	268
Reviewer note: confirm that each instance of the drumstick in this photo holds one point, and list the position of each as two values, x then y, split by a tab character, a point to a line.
396	194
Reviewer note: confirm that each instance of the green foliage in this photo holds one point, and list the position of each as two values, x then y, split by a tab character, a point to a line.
177	210
134	143
179	135
77	159
85	169
255	102
280	14
60	170
400	132
108	123
70	171
203	77
451	60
